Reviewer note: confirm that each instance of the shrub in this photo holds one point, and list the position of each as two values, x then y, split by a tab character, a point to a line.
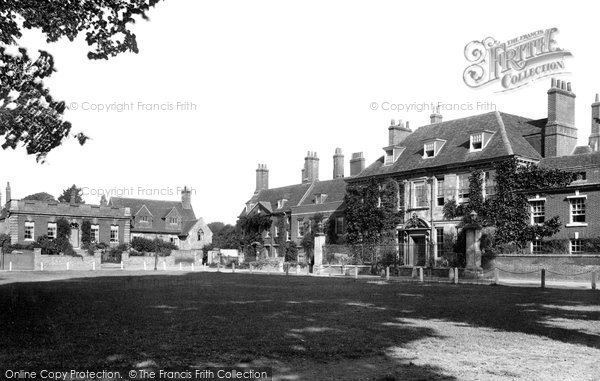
291	251
144	245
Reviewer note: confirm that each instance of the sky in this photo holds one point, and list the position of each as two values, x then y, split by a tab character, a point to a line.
220	86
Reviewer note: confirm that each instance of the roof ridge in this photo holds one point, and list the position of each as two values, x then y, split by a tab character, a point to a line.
305	196
503	133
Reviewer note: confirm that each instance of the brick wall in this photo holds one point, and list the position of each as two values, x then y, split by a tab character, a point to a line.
59	262
171	262
565	264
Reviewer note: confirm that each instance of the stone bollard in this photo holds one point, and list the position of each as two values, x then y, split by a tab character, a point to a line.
420	274
496	276
42	266
93	266
451	274
192	266
219	267
10	266
543	280
355	272
297	268
594	277
387	273
456	275
121	265
180	266
232	267
68	265
164	265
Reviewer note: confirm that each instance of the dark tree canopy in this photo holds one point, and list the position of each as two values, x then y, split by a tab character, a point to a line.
41	196
28	113
66	195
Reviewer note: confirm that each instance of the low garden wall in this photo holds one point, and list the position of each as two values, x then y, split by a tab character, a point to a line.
17	260
177	259
558	263
65	262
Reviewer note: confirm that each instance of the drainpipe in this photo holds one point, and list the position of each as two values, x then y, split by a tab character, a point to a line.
431	206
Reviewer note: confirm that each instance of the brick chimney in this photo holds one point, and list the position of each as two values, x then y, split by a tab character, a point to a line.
73	195
560	134
436	117
338	164
262	178
594	141
357	163
103	201
311	167
186	198
398	132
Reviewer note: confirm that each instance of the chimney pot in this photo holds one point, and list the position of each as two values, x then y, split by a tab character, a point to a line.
357	163
262	178
338	164
569	86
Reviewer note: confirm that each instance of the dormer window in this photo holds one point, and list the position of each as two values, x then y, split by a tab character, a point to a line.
173	220
389	157
281	203
144	219
392	153
320	198
432	147
479	140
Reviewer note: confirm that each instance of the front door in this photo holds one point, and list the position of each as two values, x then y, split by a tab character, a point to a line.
419	250
75	237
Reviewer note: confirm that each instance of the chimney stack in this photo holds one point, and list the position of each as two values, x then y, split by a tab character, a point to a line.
357	163
594	141
186	198
8	196
560	132
311	167
398	132
103	201
73	195
262	178
338	164
436	117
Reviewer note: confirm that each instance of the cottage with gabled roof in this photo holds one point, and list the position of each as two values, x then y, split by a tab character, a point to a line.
434	162
171	221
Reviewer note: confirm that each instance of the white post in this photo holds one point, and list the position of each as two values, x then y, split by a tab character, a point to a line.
180	266
10	266
144	265
232	267
42	266
192	266
420	274
594	277
456	275
68	263
496	276
451	274
121	265
330	269
164	265
93	266
250	268
219	266
355	272
387	273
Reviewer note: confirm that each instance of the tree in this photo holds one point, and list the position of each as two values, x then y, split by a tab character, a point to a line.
251	228
373	210
66	195
225	236
216	227
310	229
28	113
508	211
41	196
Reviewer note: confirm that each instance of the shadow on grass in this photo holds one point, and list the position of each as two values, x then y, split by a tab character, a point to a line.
344	328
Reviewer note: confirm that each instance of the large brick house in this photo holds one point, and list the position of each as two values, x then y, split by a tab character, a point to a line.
26	220
171	221
432	165
299	203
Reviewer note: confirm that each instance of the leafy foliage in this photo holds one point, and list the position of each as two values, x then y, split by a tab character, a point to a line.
41	196
144	245
252	227
86	232
66	195
508	211
28	113
225	236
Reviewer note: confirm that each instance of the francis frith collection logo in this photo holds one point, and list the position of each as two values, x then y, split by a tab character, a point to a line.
515	63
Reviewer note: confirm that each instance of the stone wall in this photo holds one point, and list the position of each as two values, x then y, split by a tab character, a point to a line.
171	262
64	262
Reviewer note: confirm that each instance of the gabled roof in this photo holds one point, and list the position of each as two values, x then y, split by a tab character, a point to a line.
507	140
269	197
160	210
334	189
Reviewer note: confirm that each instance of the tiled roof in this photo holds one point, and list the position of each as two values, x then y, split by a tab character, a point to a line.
300	195
572	161
159	210
507	140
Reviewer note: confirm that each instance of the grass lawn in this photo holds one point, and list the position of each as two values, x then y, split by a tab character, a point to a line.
304	327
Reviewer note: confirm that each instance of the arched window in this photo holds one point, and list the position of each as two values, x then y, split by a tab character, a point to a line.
200	235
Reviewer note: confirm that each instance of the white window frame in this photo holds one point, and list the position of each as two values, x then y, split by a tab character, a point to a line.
476	139
429	150
114	234
575	242
440	190
29	231
425	198
458	188
300	229
389	157
95	233
533	211
534	243
52	228
572	202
